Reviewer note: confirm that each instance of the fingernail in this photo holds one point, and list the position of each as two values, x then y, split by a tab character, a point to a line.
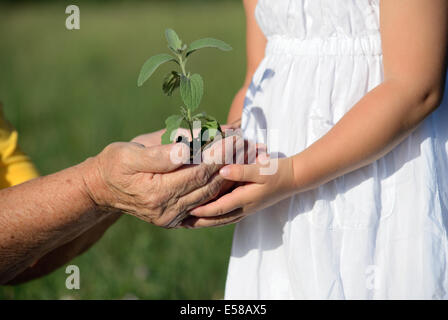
194	212
225	172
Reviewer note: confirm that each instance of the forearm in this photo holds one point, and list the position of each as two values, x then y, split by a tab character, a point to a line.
372	128
40	215
67	252
255	47
236	109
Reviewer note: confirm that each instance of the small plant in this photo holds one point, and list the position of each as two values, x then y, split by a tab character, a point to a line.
191	89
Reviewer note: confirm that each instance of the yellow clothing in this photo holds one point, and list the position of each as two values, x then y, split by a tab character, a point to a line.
15	166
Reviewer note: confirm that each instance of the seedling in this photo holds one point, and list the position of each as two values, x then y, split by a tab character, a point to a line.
191	89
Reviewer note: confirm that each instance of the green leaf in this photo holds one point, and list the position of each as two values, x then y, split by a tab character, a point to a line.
151	65
171	83
207	121
209	131
208	134
172	123
191	91
207	43
210	127
173	40
184	112
211	124
202	116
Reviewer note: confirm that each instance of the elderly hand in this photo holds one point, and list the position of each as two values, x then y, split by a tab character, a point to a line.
146	183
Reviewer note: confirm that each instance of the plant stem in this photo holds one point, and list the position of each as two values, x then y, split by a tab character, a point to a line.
182	64
190	123
184	73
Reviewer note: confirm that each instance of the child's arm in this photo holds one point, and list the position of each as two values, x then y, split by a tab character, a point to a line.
414	37
255	46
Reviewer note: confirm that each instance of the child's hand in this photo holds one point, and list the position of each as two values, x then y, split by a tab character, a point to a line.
260	190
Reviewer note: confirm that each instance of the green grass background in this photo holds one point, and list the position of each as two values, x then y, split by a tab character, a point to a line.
70	93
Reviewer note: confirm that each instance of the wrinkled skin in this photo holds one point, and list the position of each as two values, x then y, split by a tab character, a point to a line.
139	179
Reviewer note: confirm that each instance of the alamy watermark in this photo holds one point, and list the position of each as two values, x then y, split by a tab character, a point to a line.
231	149
73	281
73	21
373	277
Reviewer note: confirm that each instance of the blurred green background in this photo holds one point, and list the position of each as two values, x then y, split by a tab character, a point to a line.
70	93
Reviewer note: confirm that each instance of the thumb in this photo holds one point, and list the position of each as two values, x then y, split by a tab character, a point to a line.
246	173
162	158
241	173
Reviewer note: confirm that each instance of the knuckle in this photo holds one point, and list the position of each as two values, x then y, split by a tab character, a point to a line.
180	207
153	153
212	189
111	147
152	204
160	220
220	211
125	155
171	220
162	223
118	151
156	205
202	175
114	147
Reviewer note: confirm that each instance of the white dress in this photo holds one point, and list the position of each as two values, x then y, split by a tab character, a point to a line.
377	233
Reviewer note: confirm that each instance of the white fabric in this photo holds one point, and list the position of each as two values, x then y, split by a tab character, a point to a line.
376	233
